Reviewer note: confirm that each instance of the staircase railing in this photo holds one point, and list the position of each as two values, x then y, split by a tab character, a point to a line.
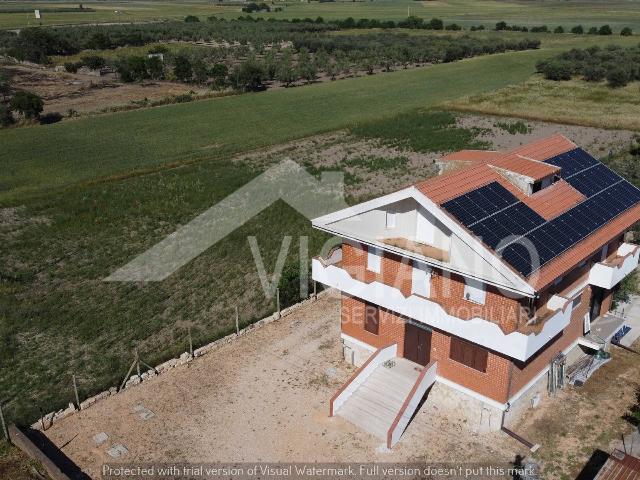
426	378
360	375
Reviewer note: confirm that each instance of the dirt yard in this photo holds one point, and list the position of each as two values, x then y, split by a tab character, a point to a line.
263	397
373	168
63	91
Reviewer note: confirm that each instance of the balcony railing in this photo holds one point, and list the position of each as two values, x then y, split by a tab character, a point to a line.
609	273
520	345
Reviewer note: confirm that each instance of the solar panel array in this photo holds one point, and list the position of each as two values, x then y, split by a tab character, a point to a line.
511	228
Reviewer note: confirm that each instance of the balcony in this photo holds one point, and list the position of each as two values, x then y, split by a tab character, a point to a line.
609	273
520	345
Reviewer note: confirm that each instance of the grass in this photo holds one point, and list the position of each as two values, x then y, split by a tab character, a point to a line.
575	102
57	316
617	13
121	144
421	131
15	465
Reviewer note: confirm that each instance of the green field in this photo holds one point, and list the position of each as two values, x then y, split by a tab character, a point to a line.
617	13
77	206
118	144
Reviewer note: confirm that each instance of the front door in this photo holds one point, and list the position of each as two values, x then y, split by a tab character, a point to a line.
597	294
417	344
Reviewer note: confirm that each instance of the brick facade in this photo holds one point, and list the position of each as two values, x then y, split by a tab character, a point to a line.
503	377
447	289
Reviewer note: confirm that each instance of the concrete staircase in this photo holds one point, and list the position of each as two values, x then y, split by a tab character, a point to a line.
375	404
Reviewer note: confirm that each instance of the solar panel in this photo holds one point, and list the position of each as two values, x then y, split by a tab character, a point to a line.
511	227
478	204
572	161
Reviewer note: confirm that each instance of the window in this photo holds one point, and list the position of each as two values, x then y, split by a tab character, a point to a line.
577	301
373	259
558	280
468	354
421	280
391	220
474	291
371	318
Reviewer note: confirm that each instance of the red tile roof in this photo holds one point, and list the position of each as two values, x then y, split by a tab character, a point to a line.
472	155
548	202
545	148
554	200
450	185
534	169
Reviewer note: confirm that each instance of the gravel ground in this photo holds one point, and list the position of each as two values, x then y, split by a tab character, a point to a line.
263	397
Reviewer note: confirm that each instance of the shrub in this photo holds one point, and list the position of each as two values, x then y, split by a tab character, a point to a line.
453	26
617	77
594	73
27	103
133	68
158	49
626	32
155	68
605	30
593	31
436	24
578	30
93	62
247	76
182	68
191	19
53	117
559	29
72	67
557	70
6	116
541	29
501	26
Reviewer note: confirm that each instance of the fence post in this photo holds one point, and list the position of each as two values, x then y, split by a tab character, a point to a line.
190	342
278	302
315	290
4	425
138	364
237	321
75	390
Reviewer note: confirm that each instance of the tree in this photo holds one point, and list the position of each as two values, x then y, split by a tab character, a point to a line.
605	30
617	77
559	29
6	117
27	103
501	26
200	72
557	70
133	68
5	86
93	62
182	68
626	32
290	284
578	30
155	68
247	76
285	72
219	76
593	31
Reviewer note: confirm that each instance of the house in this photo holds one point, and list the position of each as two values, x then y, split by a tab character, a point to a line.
486	282
618	466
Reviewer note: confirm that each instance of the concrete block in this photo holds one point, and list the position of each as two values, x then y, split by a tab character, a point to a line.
118	450
100	438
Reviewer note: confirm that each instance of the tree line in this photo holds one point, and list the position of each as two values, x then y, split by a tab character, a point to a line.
618	65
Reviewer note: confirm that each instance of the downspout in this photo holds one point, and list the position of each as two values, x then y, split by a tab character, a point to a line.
533	448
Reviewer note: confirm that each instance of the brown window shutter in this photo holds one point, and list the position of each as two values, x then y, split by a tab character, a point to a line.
468	354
